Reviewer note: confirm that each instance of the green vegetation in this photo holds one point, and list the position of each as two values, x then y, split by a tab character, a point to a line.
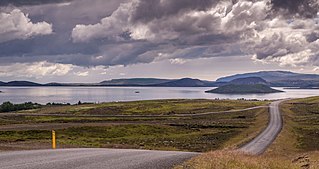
128	136
151	107
9	107
243	89
295	147
198	133
302	125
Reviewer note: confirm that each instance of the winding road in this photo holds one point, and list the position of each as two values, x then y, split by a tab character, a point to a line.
259	144
128	158
92	159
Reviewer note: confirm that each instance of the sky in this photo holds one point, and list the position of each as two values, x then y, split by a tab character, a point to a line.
95	40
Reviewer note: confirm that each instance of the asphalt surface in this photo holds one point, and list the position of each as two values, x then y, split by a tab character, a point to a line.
263	140
92	159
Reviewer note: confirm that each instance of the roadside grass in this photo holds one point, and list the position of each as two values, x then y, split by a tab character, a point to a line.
299	139
301	127
306	120
235	160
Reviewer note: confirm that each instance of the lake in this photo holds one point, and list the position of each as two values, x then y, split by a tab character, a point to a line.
72	95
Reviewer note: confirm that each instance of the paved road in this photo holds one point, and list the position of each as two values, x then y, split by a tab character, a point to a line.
92	159
263	140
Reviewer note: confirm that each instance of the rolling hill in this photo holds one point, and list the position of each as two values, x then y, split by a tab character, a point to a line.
185	82
278	78
20	83
249	81
134	82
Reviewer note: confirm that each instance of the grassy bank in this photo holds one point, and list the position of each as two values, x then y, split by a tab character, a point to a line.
200	133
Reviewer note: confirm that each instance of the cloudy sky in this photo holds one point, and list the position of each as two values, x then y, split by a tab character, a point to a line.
94	40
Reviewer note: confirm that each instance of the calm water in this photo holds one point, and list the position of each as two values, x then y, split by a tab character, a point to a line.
107	94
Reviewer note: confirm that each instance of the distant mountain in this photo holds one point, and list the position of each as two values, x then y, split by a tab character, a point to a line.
270	78
185	82
249	81
295	83
20	83
243	89
55	84
134	82
279	78
266	75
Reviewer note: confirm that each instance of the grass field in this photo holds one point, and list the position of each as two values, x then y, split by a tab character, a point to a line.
297	146
150	107
200	133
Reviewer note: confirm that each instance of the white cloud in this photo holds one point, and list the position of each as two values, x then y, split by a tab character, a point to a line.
17	25
83	74
177	61
35	70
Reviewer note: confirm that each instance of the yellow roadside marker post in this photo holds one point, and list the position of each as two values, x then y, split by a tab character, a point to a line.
53	140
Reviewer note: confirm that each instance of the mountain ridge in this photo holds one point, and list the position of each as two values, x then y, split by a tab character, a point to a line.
278	78
270	78
134	81
249	81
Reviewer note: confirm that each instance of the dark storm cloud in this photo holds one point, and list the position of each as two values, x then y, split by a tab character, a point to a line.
45	45
304	8
30	2
148	10
98	32
313	36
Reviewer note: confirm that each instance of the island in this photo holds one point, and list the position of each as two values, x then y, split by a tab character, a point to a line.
243	89
249	85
